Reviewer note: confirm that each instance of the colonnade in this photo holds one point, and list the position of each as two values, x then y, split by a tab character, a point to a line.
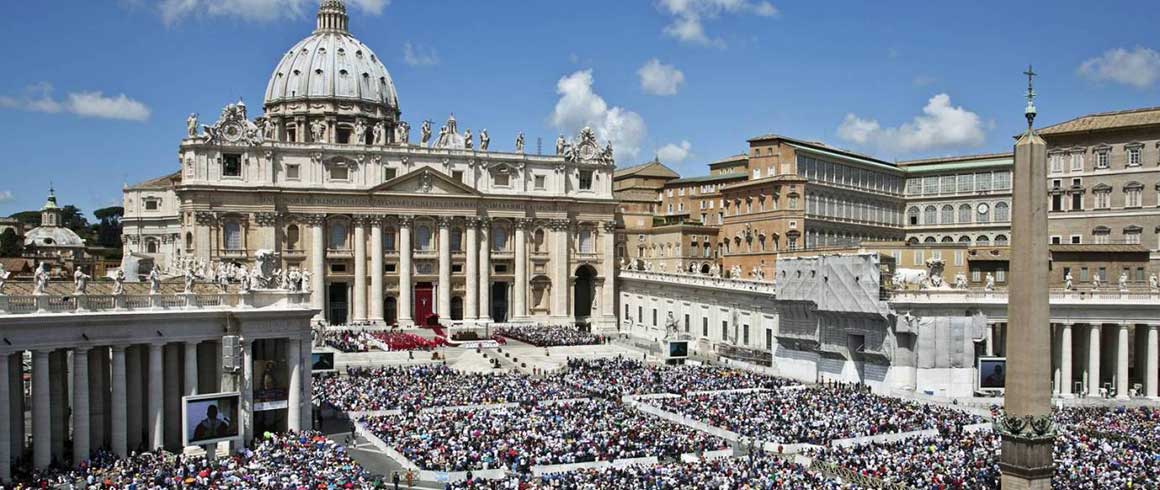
1090	353
120	397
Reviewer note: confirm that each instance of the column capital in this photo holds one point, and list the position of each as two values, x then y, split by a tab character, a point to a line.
266	218
406	220
472	222
560	224
313	219
610	226
443	222
375	219
120	347
360	220
485	223
524	223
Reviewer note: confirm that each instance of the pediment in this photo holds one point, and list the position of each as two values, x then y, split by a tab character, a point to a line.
424	181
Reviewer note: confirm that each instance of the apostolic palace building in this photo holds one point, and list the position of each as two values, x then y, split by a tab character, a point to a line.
388	228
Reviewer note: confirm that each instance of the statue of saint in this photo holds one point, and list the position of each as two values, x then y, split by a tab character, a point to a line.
560	144
191	125
119	282
425	133
40	277
4	275
520	142
378	132
360	132
154	281
81	281
467	139
484	140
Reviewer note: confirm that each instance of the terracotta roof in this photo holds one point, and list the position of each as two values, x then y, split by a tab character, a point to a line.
820	146
1148	116
654	169
729	159
164	182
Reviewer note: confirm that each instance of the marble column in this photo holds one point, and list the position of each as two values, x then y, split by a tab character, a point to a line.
247	391
58	372
1152	361
560	274
16	402
1094	359
135	413
118	426
406	272
41	416
80	415
1065	358
294	397
472	274
317	263
307	419
1057	358
485	270
360	270
156	397
443	302
990	347
190	378
1122	361
172	393
520	301
376	306
5	420
608	289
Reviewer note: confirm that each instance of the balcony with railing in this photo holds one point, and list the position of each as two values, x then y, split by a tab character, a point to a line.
116	303
698	280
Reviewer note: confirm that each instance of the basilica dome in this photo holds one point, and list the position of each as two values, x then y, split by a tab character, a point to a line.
332	64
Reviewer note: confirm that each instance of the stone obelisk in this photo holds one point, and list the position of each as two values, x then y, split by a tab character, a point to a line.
1026	428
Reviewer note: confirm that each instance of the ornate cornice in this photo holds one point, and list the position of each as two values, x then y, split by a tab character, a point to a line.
206	217
266	218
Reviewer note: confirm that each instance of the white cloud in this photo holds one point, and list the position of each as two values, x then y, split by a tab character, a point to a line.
674	153
1139	68
173	11
657	78
580	106
689	15
940	126
38	98
6	197
416	55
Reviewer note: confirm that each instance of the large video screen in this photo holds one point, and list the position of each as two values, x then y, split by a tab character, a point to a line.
992	373
678	349
321	361
211	418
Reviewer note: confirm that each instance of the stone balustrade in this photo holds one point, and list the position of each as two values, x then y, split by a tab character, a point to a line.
766	287
999	296
88	303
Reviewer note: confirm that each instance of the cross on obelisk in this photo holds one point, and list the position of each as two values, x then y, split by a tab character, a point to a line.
1025	426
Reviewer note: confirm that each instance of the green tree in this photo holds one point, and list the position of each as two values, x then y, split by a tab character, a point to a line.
31	219
9	244
108	230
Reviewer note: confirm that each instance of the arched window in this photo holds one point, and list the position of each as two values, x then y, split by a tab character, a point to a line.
912	216
912	241
538	240
965	214
338	235
586	242
499	237
930	239
456	307
188	241
423	237
457	239
1000	240
982	241
930	216
232	235
965	239
151	245
947	239
292	237
948	214
1002	213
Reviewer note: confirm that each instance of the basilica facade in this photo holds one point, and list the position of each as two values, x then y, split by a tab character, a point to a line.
387	230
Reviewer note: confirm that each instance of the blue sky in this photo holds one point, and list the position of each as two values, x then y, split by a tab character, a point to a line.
95	93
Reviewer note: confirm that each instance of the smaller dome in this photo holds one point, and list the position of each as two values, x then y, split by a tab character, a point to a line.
53	236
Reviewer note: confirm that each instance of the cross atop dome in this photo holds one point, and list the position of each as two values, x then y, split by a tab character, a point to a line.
332	16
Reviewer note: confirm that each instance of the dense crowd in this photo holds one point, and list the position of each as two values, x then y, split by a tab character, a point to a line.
276	462
434	385
528	435
617	376
388	340
959	460
550	335
815	415
762	472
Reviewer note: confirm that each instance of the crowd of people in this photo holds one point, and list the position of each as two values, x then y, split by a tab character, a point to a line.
550	335
760	472
387	340
275	462
816	415
617	376
955	460
431	385
535	434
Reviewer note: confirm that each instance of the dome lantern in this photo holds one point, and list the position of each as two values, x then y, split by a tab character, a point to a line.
332	16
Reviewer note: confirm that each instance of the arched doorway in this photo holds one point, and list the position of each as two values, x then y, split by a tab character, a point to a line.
584	292
390	310
457	308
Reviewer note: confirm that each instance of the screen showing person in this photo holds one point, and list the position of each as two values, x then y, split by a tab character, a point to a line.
211	419
992	373
322	361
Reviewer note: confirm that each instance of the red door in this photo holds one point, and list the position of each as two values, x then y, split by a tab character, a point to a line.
424	304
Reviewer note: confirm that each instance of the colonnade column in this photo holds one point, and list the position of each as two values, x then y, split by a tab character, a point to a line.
1122	360
1152	358
294	398
118	426
376	307
520	302
405	271
1094	359
444	300
41	424
156	398
134	413
172	370
560	265
990	347
484	270
360	269
5	420
190	383
472	273
1065	358
58	399
1056	357
80	415
608	289
16	401
317	263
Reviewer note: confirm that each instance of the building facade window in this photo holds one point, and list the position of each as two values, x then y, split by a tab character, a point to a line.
1134	157
930	216
948	214
965	214
1102	158
585	180
232	235
1002	212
